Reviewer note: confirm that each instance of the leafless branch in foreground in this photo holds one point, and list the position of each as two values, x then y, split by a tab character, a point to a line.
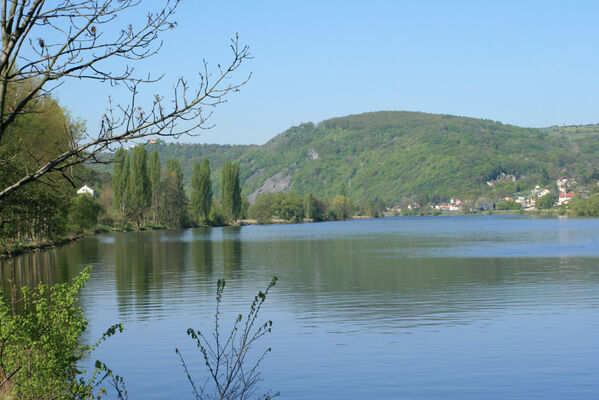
46	43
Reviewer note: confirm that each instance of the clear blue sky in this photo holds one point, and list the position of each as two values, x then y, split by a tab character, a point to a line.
528	63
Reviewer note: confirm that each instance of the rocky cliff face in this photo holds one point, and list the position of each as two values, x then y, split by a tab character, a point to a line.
279	182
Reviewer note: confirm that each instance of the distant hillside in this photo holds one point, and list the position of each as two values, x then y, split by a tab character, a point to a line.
395	155
404	155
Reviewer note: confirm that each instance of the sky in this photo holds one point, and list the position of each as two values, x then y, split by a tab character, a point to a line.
526	63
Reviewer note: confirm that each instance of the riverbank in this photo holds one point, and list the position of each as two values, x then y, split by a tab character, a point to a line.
13	248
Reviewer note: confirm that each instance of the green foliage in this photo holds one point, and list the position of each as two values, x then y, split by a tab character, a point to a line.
84	211
315	207
233	373
120	173
585	207
201	191
216	215
372	208
392	156
231	191
173	195
547	201
288	206
37	210
508	205
261	209
154	177
342	208
137	192
41	345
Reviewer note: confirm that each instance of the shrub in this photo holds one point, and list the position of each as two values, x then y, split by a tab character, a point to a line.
39	337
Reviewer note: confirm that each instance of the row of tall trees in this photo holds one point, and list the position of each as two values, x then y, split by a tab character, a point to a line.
146	193
204	209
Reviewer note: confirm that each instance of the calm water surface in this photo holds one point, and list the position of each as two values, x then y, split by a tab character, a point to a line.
425	308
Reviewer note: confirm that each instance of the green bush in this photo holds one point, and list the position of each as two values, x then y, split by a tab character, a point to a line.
84	211
508	205
546	202
585	207
41	349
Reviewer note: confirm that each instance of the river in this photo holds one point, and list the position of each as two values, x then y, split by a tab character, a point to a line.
489	307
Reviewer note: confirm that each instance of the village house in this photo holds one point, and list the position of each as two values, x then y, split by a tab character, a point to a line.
543	193
520	200
562	185
87	190
564	198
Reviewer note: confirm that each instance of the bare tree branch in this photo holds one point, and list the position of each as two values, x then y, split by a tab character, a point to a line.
46	43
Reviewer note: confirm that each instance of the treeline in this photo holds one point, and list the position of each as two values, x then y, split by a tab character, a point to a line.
144	193
588	207
48	208
292	207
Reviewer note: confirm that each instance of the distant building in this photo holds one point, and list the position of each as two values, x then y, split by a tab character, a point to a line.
562	185
87	190
152	141
564	198
543	192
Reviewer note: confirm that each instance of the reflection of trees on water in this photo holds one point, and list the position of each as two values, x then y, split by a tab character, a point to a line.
202	253
232	252
51	266
28	269
377	279
146	265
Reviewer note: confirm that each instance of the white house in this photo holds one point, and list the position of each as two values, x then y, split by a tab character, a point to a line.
87	190
543	192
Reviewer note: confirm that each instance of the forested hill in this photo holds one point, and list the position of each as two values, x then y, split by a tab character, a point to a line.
405	155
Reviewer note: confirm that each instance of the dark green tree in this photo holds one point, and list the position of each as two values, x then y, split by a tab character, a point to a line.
154	177
38	211
261	209
173	195
288	206
342	207
119	170
231	191
201	191
314	207
84	211
137	192
546	202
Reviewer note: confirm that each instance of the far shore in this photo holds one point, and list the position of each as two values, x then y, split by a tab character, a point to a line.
15	248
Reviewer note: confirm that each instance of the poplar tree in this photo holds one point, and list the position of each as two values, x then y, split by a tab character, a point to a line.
225	194
235	192
124	182
174	195
154	176
117	176
231	191
137	192
201	191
